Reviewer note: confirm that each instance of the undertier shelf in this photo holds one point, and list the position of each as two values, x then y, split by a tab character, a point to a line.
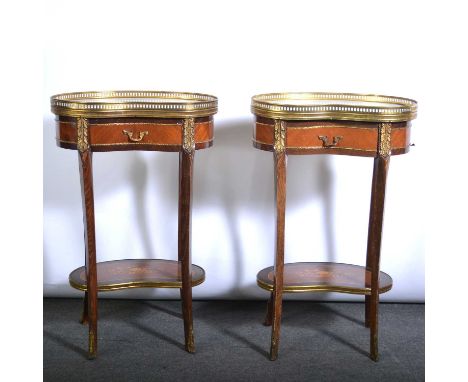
324	277
136	273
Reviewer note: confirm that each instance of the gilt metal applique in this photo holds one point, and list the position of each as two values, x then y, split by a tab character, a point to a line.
280	136
82	132
385	139
188	139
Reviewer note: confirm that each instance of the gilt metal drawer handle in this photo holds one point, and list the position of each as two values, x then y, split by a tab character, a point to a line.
324	139
135	139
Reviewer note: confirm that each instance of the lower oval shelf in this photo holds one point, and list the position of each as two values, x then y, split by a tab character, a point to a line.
324	277
136	273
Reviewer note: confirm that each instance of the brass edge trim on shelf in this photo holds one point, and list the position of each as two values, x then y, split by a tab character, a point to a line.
331	147
341	116
132	143
323	127
135	123
268	97
404	109
198	104
332	127
317	288
129	285
316	147
200	97
258	143
135	113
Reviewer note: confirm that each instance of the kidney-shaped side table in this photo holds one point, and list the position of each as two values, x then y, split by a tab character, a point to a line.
135	120
330	123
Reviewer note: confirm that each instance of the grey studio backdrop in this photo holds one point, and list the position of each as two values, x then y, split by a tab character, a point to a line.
328	197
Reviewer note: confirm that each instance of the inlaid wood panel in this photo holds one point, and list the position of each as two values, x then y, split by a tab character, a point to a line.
136	273
109	134
331	277
331	137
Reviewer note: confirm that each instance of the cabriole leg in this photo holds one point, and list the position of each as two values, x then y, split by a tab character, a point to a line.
280	201
381	164
186	157
84	315
86	176
269	313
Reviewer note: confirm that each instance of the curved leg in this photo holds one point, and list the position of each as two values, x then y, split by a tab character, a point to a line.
269	313
86	175
84	315
277	294
185	198
367	314
381	165
370	240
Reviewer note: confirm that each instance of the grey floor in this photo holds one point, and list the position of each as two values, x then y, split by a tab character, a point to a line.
142	340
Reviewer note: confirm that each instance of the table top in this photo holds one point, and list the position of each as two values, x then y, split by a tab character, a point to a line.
134	103
334	106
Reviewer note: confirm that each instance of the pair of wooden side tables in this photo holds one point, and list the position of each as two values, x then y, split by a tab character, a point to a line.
286	124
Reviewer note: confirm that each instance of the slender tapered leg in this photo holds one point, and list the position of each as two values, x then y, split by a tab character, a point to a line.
280	197
84	315
269	313
366	322
86	175
370	240
381	165
185	198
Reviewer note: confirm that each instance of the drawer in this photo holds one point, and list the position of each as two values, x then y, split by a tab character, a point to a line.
107	134
332	137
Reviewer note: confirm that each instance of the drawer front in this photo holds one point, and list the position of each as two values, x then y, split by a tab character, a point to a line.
134	134
124	133
330	137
